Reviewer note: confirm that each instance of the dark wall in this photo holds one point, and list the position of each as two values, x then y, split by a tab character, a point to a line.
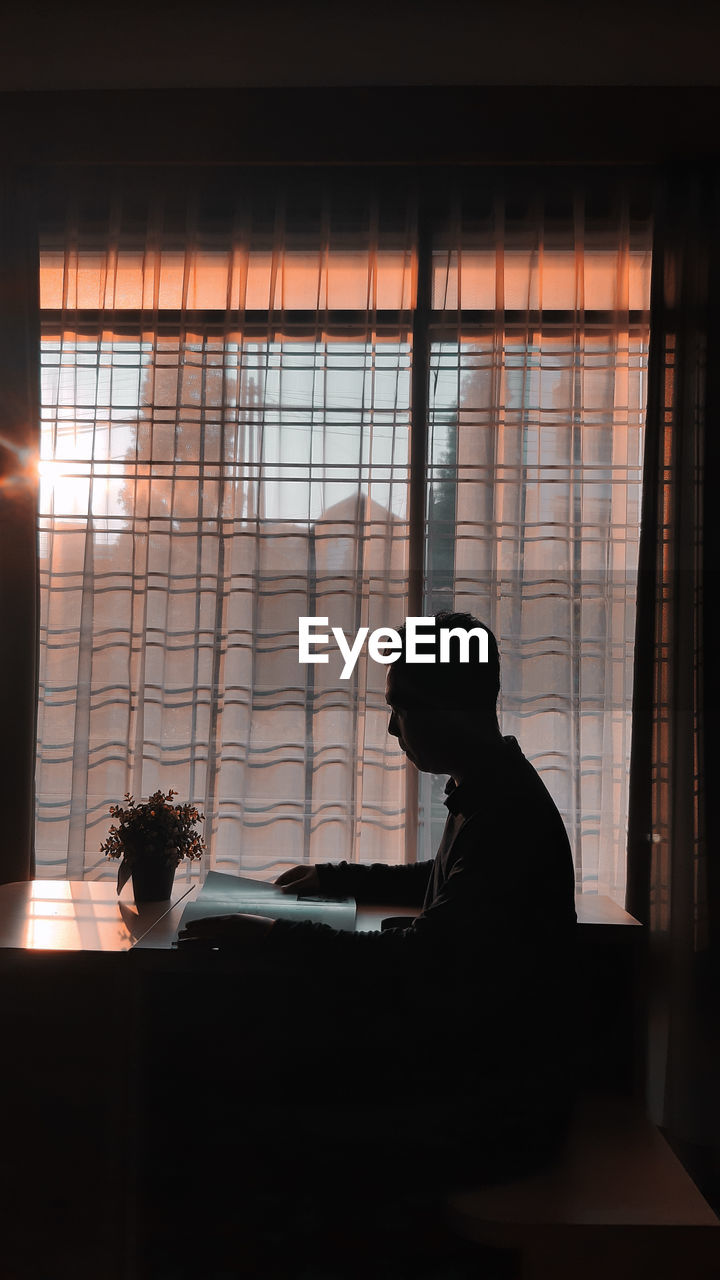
372	81
83	44
428	125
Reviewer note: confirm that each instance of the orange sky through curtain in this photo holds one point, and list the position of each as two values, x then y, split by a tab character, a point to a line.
344	281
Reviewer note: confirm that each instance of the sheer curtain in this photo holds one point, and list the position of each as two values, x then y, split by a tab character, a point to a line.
227	387
537	398
673	882
225	449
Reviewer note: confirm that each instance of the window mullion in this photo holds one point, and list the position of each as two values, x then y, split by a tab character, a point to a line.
417	503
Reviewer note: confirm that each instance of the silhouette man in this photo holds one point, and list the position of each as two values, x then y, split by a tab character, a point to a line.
471	1002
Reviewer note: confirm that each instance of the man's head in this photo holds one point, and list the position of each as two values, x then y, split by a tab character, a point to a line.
443	711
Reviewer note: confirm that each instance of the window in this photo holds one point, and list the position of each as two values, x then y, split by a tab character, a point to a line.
289	399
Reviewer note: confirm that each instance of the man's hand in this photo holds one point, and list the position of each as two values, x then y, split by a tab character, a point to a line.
236	932
301	880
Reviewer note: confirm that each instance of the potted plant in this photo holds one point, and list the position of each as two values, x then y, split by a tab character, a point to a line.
151	838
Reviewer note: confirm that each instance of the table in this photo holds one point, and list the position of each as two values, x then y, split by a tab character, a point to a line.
86	919
91	988
88	915
85	915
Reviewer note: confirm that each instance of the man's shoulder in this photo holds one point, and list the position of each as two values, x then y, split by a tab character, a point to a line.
509	806
501	775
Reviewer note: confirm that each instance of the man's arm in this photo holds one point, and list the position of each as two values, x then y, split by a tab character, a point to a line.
396	886
494	902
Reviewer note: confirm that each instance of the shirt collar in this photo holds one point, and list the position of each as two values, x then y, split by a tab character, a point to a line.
467	796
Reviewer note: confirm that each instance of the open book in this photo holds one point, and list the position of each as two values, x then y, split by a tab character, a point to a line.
223	895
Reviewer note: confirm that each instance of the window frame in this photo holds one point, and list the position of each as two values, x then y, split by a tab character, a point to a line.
424	325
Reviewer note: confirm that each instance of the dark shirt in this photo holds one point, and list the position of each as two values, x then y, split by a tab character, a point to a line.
503	863
490	954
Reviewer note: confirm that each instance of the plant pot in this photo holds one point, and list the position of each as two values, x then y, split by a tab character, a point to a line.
153	880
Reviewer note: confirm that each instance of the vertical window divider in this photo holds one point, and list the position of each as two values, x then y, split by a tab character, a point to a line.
417	504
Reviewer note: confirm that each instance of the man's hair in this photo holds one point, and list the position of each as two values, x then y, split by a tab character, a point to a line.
472	684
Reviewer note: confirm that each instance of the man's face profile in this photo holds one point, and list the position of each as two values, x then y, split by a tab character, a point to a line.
418	725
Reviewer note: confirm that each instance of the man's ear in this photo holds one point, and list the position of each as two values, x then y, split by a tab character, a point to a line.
463	723
459	720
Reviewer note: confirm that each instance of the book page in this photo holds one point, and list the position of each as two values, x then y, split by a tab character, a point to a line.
223	895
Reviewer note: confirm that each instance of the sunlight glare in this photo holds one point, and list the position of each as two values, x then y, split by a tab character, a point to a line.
64	486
